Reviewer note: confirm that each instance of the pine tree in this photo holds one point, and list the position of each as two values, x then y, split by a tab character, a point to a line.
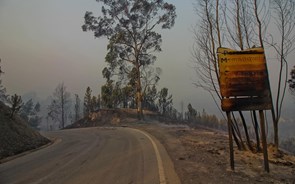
192	113
98	102
93	104
164	101
27	110
87	101
16	104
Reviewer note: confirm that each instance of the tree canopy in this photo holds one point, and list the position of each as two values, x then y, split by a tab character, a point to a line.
16	104
87	101
130	29
165	100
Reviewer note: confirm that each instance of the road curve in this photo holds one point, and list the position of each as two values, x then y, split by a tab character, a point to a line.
94	156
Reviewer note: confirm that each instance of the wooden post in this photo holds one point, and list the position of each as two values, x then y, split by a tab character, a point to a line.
230	135
264	143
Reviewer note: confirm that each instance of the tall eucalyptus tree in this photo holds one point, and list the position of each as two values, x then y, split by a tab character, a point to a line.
130	26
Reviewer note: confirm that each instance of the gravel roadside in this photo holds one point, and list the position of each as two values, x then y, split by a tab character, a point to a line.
202	156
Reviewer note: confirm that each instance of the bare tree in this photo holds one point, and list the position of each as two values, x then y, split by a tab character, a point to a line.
150	77
205	59
234	29
284	18
60	105
208	36
77	107
244	25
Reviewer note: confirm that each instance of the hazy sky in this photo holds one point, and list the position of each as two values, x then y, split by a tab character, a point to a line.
42	44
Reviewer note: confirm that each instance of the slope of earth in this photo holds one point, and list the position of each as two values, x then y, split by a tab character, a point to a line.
202	156
16	136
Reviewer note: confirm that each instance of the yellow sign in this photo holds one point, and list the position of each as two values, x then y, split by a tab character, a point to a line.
243	74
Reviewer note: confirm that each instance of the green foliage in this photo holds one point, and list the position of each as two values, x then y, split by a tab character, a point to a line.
29	112
112	95
106	94
164	101
149	98
91	103
128	94
94	104
87	102
130	29
16	104
117	95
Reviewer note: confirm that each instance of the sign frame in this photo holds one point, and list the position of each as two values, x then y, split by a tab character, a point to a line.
243	79
244	85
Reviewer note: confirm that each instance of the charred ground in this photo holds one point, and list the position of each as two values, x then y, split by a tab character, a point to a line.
200	155
16	136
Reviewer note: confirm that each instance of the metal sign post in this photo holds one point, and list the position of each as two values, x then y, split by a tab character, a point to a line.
244	86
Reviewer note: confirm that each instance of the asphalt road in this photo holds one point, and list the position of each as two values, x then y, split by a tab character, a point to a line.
93	156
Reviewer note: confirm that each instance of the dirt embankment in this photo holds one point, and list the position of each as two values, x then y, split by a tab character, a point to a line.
16	136
112	117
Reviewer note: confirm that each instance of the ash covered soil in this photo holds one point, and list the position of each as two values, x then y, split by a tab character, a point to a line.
16	136
201	155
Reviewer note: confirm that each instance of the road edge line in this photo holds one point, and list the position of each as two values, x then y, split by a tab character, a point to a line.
158	156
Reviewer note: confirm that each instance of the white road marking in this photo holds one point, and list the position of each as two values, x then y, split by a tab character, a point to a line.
158	156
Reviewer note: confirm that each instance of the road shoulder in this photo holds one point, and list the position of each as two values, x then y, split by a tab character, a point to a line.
166	168
202	156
